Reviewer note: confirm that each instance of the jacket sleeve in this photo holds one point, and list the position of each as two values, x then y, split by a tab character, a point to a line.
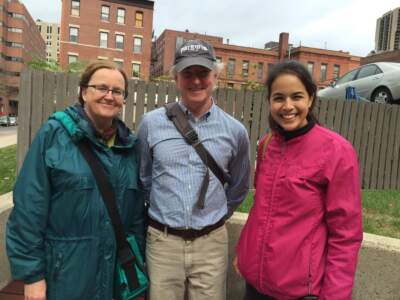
344	222
27	222
239	169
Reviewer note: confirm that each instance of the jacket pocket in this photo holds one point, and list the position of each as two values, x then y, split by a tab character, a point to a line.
75	269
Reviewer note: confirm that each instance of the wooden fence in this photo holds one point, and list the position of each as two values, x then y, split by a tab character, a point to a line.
373	129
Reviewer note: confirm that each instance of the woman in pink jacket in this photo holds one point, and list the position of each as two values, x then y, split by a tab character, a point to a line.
303	234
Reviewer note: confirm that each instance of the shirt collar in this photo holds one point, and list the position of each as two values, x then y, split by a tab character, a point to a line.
205	116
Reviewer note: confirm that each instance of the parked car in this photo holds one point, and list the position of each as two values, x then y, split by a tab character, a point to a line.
378	82
12	120
4	121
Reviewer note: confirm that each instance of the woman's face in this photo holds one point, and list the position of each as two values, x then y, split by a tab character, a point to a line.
289	102
101	104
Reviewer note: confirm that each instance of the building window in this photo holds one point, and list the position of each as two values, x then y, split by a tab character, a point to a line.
179	41
245	68
103	39
322	75
260	71
231	67
121	16
137	44
310	68
49	29
119	41
135	70
139	19
72	59
270	66
219	59
119	63
73	34
230	85
105	13
14	29
75	7
336	71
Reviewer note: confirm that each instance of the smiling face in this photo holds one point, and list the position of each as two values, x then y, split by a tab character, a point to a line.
289	102
196	84
103	108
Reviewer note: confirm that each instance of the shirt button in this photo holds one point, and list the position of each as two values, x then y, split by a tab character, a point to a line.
190	187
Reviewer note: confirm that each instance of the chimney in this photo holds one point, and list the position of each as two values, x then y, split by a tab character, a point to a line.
283	45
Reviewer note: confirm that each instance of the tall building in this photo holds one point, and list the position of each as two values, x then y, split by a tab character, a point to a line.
51	35
115	30
387	34
246	65
20	42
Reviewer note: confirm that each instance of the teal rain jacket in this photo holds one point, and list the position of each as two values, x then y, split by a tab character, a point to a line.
59	229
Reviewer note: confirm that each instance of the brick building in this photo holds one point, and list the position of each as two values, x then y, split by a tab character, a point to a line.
115	30
20	42
50	33
244	65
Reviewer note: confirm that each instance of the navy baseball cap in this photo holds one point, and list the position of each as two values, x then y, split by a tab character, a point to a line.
194	53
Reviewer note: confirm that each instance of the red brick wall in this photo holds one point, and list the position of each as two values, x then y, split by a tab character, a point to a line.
89	23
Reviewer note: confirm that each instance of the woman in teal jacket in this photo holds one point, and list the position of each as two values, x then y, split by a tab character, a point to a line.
60	241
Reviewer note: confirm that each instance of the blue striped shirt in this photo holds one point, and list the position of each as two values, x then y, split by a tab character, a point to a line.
171	171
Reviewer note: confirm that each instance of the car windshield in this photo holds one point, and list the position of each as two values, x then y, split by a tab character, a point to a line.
347	77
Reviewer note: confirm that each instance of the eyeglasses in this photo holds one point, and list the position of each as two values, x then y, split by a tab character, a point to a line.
103	89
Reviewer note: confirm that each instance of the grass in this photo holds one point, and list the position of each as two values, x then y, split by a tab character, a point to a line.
381	211
8	163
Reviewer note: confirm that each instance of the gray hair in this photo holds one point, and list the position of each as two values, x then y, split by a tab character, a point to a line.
218	67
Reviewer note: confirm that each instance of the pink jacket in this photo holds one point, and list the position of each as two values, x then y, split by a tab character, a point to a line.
304	231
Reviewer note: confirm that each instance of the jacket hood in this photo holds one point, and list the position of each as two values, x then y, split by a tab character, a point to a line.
76	122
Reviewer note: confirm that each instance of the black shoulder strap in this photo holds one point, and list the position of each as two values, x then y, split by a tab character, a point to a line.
125	254
178	117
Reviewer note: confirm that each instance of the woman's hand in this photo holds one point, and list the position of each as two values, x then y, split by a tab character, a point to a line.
235	266
35	291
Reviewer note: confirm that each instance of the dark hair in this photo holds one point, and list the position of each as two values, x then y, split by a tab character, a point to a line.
295	68
91	69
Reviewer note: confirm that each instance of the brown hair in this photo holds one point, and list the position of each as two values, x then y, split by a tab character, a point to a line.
92	68
295	68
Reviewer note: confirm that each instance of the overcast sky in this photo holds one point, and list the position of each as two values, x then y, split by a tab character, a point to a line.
347	25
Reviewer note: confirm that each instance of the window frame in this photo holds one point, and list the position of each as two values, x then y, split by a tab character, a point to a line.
105	16
70	35
100	39
75	10
120	9
116	42
139	72
135	46
139	21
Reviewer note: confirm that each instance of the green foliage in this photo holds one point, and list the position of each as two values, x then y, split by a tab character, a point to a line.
53	66
38	63
7	168
165	78
77	67
253	86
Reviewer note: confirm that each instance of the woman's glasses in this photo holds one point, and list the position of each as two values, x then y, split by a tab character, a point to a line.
103	90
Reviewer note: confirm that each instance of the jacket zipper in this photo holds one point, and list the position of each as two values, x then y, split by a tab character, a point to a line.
57	266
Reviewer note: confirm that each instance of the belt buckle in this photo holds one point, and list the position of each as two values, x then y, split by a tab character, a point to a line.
189	235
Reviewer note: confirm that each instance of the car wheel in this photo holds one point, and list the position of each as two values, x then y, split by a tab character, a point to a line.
382	95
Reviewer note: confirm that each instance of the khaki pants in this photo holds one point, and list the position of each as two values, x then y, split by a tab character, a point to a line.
174	264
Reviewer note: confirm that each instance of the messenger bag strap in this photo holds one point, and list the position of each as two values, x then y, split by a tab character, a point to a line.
125	254
181	122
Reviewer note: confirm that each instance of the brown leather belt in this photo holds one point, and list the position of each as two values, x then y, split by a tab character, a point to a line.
186	234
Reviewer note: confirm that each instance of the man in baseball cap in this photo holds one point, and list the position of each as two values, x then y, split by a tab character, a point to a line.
187	240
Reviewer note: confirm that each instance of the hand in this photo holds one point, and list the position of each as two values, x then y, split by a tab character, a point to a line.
35	291
235	266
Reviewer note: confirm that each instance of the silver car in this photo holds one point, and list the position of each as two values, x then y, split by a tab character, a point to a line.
378	82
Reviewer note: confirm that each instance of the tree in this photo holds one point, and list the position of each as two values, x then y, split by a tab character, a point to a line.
38	63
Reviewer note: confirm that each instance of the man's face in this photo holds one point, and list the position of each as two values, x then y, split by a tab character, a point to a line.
196	84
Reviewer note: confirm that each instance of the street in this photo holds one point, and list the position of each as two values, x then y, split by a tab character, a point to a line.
8	136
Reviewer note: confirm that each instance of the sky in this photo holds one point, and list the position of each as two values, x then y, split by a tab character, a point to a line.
347	25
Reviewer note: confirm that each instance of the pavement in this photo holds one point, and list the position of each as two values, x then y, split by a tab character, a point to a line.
8	136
